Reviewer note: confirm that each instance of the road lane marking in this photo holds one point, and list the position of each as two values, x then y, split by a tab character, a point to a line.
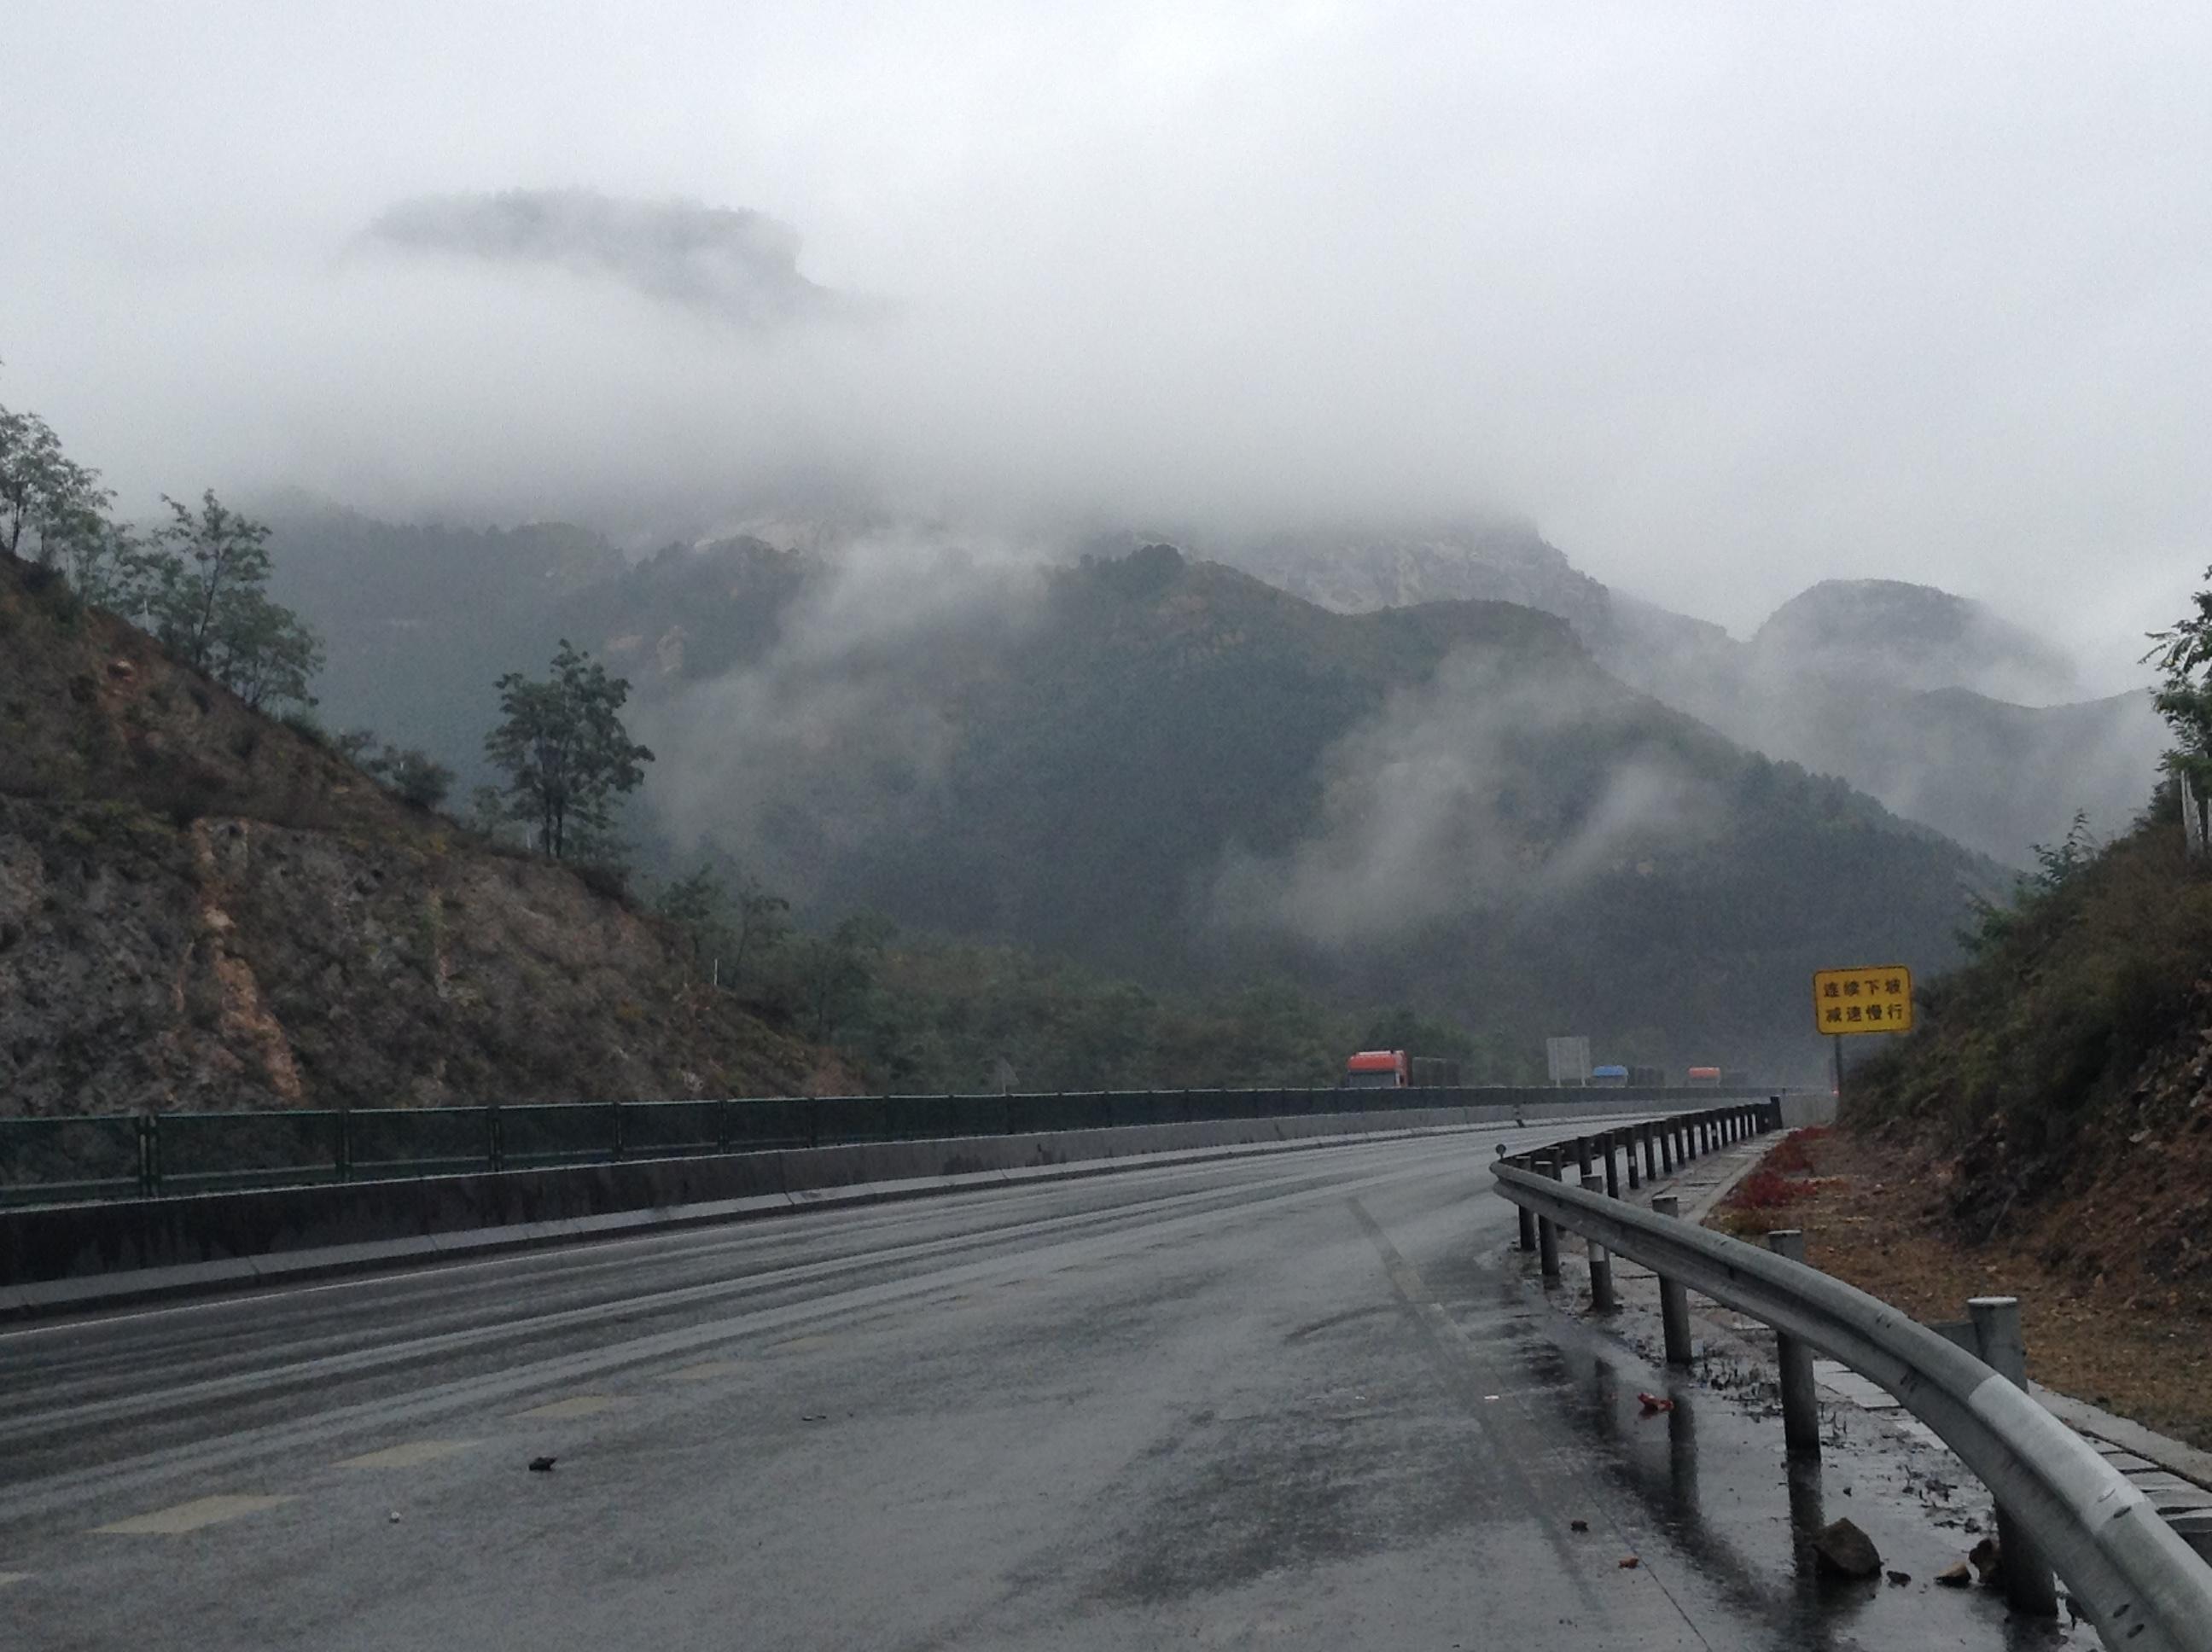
553	1258
582	1404
848	1299
8	1577
191	1516
408	1456
709	1371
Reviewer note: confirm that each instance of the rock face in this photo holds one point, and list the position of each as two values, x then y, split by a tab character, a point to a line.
202	909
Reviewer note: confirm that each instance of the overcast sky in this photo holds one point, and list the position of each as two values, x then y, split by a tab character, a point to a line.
1726	299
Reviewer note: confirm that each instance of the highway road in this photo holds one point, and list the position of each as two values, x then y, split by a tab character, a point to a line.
1297	1400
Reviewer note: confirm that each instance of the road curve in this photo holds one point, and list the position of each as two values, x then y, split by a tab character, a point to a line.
1293	1400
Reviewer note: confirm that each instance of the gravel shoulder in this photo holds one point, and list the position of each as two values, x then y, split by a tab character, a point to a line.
1875	1214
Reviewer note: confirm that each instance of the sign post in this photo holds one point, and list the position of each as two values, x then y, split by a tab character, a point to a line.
1875	999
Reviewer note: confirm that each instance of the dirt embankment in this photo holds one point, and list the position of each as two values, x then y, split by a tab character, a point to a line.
202	908
2112	1280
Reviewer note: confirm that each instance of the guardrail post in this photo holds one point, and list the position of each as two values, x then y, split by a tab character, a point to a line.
1801	1406
342	1145
495	1138
722	1125
1674	1301
149	1149
1582	1156
1651	1152
1547	1235
1601	1264
615	1131
1528	1228
2021	1566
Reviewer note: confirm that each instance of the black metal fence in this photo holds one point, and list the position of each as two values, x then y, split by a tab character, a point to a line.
132	1156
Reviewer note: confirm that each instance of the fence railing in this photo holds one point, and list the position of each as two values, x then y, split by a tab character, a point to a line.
132	1156
2061	1506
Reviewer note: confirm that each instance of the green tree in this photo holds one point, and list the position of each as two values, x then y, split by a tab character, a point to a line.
759	921
209	601
46	498
564	749
699	906
414	776
836	971
2184	653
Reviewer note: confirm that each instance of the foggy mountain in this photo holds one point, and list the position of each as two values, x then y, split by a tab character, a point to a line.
1948	713
739	265
1913	637
1174	771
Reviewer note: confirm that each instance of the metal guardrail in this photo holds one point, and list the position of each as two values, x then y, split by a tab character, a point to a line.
2140	1583
143	1156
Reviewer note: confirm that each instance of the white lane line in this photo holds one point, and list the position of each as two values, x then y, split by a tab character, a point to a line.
708	1233
45	1498
191	1516
581	1405
408	1456
8	1577
361	1360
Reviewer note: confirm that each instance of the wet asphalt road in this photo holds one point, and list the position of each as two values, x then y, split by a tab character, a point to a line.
1299	1400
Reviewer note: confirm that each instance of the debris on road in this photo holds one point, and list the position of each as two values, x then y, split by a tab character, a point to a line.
1899	1576
1843	1551
1983	1556
1957	1576
542	1465
1578	1526
1631	1564
1653	1405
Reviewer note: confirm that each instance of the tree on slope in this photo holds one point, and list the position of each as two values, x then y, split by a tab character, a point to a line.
210	606
2184	653
48	501
564	749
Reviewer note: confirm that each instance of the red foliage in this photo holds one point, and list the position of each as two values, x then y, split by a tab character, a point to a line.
1793	1153
1763	1190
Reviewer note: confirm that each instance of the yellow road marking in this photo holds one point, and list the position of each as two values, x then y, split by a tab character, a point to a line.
707	1372
191	1516
582	1404
408	1456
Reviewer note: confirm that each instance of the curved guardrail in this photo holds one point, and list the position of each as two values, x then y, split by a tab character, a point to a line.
2129	1572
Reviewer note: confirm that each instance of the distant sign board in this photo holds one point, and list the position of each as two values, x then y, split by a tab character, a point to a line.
1870	1000
1568	1059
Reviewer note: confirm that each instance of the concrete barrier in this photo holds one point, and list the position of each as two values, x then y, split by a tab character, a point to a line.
56	1256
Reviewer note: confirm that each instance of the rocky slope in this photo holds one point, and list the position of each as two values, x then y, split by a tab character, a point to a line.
200	907
2060	1085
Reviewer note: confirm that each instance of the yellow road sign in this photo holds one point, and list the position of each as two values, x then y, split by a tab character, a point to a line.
1871	1000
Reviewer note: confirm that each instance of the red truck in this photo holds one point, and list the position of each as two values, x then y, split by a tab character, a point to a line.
1378	1070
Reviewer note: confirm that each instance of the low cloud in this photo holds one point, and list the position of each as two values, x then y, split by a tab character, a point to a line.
736	263
840	729
1475	792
